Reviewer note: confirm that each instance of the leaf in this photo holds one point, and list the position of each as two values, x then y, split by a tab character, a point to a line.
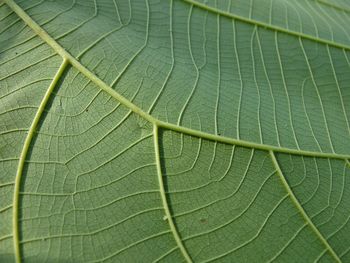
174	131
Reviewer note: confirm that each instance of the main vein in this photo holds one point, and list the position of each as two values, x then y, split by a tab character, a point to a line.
300	208
105	87
23	157
164	199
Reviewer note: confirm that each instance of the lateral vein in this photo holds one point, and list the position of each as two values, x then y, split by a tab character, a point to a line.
300	208
266	25
248	144
164	199
127	103
23	156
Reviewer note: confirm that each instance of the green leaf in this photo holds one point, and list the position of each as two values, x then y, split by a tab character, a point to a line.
171	131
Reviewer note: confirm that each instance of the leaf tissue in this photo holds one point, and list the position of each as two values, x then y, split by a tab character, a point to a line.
174	131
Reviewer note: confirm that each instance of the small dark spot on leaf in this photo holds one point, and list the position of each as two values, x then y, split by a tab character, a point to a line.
86	110
203	220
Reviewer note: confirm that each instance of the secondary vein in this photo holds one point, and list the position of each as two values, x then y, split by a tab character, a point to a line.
266	25
164	199
23	157
300	208
105	87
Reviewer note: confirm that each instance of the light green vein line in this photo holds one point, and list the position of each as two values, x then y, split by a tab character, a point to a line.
23	156
248	144
3	209
300	208
5	237
164	200
266	25
74	62
165	255
7	184
102	85
337	7
348	163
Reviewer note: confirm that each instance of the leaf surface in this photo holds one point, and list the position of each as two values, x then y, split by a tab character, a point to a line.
170	131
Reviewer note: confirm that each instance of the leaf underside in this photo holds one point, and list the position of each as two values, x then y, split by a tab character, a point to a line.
174	131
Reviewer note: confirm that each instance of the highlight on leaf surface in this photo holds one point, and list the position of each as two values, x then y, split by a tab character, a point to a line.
174	131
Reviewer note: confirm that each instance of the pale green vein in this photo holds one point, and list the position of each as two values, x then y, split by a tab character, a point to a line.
23	156
291	240
74	62
337	7
165	255
68	58
266	25
5	237
348	163
164	199
3	209
93	232
131	245
105	87
300	208
320	256
248	144
254	237
7	184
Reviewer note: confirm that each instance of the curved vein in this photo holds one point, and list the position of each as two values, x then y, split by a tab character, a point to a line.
164	199
266	25
23	156
337	7
247	144
301	209
105	87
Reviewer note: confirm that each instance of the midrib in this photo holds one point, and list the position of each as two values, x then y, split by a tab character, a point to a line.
105	87
69	59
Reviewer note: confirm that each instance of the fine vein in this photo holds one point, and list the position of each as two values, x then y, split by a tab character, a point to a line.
164	199
23	156
300	208
266	25
105	87
337	7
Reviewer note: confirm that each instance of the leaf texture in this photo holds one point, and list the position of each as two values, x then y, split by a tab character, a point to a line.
174	131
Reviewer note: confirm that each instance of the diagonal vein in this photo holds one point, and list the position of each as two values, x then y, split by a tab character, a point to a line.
337	7
301	209
23	156
74	62
164	199
266	25
105	87
68	58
